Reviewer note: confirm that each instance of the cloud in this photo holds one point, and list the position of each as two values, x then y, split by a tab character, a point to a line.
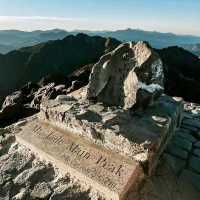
18	18
29	23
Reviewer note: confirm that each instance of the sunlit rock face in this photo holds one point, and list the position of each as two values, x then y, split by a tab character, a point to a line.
131	75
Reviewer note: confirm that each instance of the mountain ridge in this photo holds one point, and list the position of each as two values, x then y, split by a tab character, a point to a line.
15	39
74	51
194	48
59	56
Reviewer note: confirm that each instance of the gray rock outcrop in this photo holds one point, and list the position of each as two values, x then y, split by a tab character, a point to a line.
132	74
50	91
14	108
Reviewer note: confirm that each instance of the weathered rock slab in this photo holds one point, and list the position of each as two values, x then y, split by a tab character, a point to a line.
140	136
112	174
108	148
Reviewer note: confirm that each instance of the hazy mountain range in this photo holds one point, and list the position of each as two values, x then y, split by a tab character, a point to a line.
13	39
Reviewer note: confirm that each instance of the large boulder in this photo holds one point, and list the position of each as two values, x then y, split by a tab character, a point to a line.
16	98
15	108
27	100
57	79
29	89
131	75
79	78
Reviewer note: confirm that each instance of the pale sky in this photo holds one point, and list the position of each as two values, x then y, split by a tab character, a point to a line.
177	16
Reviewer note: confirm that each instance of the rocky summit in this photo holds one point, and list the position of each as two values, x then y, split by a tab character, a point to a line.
132	74
117	138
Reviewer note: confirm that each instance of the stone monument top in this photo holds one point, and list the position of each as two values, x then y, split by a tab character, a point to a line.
132	74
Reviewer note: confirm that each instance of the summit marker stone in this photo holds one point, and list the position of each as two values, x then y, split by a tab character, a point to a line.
93	165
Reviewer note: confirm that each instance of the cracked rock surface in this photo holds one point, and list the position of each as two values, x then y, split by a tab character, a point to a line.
24	175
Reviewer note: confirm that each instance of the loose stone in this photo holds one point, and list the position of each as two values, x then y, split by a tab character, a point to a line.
176	164
196	152
192	128
186	135
182	143
197	134
197	144
177	151
192	122
194	164
41	191
192	177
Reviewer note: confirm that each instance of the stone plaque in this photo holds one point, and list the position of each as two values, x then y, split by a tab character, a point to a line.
108	172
